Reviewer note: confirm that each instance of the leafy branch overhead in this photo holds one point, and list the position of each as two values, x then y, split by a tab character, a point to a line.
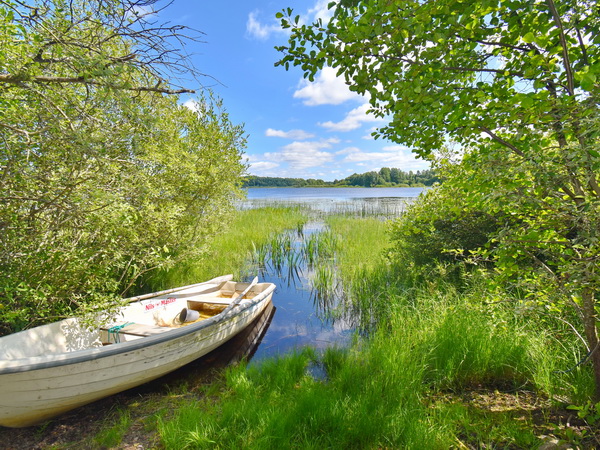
105	43
515	85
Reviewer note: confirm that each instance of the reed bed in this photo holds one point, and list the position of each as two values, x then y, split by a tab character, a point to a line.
244	240
426	347
382	208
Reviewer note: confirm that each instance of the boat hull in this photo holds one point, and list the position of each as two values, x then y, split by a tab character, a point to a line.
30	395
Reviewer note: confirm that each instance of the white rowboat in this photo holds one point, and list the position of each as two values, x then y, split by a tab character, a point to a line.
51	369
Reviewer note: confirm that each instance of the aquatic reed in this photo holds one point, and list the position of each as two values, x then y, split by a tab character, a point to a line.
396	389
232	251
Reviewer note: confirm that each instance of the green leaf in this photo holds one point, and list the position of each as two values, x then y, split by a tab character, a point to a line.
529	38
588	81
593	153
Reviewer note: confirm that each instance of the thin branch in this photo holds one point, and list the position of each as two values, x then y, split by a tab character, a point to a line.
501	141
575	331
584	54
25	133
16	80
565	48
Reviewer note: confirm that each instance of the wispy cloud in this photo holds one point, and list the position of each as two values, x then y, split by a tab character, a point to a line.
258	30
321	11
298	135
353	120
390	156
262	168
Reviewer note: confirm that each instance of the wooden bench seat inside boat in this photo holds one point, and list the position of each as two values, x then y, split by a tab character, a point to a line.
209	308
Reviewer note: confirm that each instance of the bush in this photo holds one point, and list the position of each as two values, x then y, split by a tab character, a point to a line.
437	228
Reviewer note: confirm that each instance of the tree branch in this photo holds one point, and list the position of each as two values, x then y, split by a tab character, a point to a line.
565	48
17	80
501	141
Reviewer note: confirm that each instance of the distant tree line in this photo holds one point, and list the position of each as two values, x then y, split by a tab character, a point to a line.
386	177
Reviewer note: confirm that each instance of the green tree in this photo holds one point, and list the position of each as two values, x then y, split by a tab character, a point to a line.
515	84
103	175
385	174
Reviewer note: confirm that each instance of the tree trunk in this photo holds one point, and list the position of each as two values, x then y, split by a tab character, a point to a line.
591	333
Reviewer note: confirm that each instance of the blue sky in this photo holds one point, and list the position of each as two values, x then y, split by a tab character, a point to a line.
296	128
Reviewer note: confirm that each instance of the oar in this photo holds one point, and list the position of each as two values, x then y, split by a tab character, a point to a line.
240	297
170	291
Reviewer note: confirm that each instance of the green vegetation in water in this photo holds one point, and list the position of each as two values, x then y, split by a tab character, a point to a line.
385	392
242	240
443	357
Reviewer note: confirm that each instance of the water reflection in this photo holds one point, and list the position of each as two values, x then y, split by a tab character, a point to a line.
302	316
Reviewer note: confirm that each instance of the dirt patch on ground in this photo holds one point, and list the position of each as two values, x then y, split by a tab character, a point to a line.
556	426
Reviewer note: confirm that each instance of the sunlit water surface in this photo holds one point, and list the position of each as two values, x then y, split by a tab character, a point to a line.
299	317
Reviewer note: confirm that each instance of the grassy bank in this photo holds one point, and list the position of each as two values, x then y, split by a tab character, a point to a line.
445	370
439	366
389	392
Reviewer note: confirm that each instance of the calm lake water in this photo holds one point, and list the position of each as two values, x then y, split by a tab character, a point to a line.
298	319
336	194
387	202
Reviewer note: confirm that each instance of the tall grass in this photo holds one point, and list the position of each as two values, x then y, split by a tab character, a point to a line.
231	250
351	266
380	393
393	390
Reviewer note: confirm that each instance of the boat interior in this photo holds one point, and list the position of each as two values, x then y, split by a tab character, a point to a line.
137	320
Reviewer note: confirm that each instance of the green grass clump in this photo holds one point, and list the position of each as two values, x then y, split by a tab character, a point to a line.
429	343
360	242
280	405
113	431
380	393
231	250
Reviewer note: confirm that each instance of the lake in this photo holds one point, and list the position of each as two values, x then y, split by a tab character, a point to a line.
298	319
386	202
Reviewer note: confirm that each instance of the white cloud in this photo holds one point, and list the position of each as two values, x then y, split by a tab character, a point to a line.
353	120
193	105
302	155
327	89
261	168
256	29
320	11
348	151
299	135
369	136
390	156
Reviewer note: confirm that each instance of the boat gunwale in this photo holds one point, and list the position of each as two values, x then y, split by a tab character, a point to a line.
91	354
